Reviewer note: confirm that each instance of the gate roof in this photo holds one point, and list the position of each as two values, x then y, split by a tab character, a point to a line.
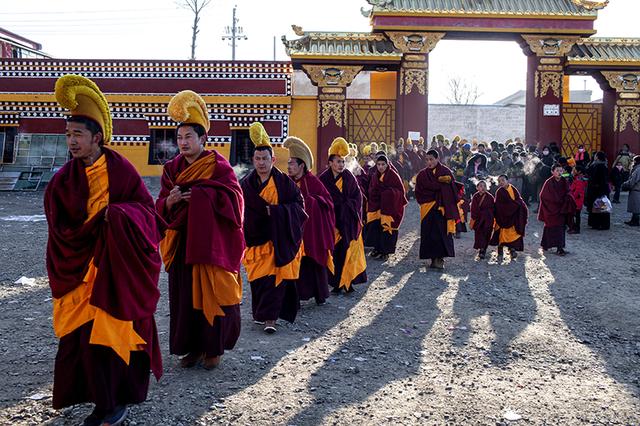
606	52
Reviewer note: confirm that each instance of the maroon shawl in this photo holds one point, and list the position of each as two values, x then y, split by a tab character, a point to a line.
429	189
284	223
347	203
319	236
556	202
482	207
510	212
387	195
212	219
123	242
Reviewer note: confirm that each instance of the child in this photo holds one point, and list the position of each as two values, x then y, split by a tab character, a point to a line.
482	206
578	189
618	176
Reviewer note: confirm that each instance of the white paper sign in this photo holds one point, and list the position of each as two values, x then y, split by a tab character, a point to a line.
414	136
551	110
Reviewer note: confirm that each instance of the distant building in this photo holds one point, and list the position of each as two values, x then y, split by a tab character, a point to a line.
520	98
15	46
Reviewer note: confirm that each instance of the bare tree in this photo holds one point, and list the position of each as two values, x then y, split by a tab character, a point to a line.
462	92
196	7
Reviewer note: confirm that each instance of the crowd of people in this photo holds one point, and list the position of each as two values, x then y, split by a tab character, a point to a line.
299	236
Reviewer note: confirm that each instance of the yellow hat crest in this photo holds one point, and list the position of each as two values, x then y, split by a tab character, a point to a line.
298	149
82	97
383	147
353	150
189	107
339	147
259	135
366	150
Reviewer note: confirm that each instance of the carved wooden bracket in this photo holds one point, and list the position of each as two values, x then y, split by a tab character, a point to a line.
623	81
546	45
331	76
414	42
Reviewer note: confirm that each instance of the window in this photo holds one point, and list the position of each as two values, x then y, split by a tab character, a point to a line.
163	146
7	145
38	150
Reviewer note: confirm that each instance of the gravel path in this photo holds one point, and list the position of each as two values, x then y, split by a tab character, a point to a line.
543	339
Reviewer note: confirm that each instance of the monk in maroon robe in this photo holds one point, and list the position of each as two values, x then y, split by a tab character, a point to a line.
103	266
511	216
437	195
202	250
348	254
318	237
387	201
482	212
557	206
274	220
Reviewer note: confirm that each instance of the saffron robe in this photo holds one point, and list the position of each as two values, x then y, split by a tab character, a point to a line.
511	216
387	201
438	212
274	219
482	211
318	239
103	266
557	208
348	254
202	251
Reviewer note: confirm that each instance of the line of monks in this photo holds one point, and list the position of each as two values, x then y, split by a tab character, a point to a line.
296	234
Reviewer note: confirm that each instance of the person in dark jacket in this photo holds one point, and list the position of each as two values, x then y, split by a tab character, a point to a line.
598	186
618	176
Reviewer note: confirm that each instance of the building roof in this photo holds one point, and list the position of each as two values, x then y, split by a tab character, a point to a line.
341	45
610	51
578	8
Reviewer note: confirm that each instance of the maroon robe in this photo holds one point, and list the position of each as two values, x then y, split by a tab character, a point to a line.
510	213
318	239
416	162
482	208
210	227
435	240
123	243
557	206
348	212
283	226
388	197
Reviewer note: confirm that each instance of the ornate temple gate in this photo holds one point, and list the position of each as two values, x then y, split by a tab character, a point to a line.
555	35
370	121
581	125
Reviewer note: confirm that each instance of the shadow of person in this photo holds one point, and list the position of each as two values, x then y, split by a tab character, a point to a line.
386	350
596	291
493	306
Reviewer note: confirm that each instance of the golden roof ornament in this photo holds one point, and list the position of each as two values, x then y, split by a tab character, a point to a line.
591	4
297	29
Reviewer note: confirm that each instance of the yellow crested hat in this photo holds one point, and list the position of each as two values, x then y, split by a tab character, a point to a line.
383	147
366	150
259	135
353	150
298	149
189	107
400	142
82	97
421	141
339	147
374	148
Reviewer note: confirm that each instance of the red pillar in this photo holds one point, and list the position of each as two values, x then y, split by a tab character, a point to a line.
332	123
544	101
621	112
412	96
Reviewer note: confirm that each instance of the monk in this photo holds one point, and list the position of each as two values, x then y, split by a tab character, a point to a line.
348	255
557	206
318	238
201	200
482	212
103	265
437	195
511	215
387	201
274	219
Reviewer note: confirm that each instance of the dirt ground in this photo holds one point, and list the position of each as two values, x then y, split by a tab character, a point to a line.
543	339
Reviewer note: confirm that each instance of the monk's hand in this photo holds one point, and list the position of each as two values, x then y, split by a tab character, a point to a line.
174	196
444	179
186	196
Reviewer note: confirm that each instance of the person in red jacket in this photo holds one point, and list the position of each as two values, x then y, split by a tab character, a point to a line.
578	189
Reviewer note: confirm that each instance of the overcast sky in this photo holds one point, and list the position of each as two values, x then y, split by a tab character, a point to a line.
160	29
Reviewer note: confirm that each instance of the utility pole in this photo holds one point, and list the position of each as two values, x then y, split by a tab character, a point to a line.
274	48
234	33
